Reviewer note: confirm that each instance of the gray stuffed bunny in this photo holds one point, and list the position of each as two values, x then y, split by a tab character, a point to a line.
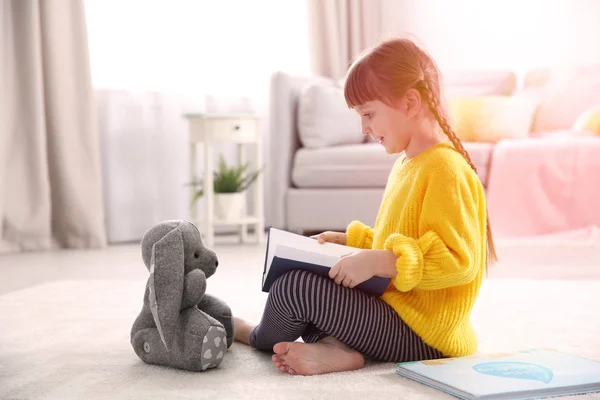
180	326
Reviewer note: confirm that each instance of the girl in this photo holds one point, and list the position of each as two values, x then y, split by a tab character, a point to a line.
429	237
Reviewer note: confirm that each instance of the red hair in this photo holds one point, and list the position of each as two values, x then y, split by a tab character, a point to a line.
386	72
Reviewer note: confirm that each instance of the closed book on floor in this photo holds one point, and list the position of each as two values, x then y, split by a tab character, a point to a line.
527	374
287	251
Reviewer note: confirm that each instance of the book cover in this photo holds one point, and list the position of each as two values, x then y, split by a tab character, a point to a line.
287	251
525	374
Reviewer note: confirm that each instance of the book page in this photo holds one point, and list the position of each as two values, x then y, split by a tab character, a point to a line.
310	257
308	244
278	237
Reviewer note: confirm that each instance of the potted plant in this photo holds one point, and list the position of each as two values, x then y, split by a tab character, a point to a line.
229	185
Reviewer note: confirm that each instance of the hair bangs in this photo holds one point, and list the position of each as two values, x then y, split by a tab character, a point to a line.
360	86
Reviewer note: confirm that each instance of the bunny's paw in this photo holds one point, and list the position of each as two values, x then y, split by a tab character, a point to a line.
214	347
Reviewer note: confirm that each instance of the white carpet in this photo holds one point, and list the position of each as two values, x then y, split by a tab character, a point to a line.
70	340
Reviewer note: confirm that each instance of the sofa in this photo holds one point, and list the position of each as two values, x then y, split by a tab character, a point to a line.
323	172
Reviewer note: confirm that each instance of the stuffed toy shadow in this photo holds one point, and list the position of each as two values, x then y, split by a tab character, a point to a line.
180	326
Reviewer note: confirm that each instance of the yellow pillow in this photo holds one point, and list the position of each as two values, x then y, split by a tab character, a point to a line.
491	118
589	120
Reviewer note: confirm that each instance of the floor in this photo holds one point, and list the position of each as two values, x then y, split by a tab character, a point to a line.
541	295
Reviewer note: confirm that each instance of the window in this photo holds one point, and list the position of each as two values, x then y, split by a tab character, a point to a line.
222	47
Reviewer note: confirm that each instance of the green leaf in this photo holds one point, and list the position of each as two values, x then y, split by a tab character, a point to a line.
197	195
228	179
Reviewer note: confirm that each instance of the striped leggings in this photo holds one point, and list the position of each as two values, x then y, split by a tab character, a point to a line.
302	304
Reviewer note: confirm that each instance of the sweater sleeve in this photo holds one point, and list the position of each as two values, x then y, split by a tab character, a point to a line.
359	235
451	250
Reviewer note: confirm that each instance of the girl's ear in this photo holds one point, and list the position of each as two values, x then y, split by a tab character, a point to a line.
412	102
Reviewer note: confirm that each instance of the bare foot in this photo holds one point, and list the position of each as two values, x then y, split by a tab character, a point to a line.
241	330
326	356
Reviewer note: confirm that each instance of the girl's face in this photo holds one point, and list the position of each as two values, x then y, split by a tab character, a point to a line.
393	126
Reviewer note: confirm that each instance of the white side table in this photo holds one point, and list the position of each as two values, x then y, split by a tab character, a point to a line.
238	129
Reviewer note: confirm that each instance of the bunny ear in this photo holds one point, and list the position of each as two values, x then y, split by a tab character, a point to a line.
166	284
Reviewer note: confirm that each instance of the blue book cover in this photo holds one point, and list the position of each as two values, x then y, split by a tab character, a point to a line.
287	251
526	374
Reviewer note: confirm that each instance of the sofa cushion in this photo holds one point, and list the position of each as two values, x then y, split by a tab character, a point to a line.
566	96
492	118
324	119
362	165
589	121
358	165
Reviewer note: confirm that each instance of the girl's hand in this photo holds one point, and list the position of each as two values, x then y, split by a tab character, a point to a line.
332	237
360	266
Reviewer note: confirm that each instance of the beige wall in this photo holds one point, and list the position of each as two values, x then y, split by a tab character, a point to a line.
489	34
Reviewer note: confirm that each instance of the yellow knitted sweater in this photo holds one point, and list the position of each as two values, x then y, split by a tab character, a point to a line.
433	217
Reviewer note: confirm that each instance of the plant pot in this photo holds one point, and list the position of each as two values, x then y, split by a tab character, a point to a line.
230	206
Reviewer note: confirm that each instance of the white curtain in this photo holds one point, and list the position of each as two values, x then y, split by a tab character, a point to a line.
339	31
154	60
50	178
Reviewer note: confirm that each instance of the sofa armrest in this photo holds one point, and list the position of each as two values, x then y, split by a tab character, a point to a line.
283	142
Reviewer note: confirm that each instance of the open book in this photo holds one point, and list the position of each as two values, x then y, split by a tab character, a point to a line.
525	374
288	251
